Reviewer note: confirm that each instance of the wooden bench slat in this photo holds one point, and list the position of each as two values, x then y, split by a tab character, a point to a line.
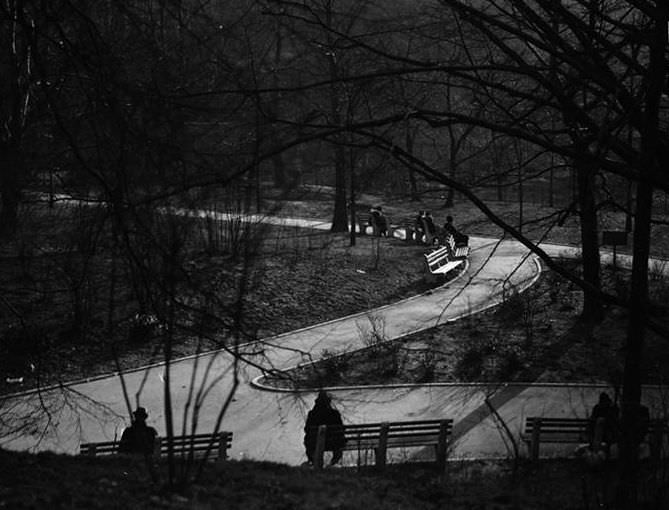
405	434
570	430
409	442
181	445
446	268
446	258
395	424
185	441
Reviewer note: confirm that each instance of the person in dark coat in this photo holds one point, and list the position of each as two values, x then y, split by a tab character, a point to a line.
429	223
603	425
449	229
378	221
324	414
419	227
138	438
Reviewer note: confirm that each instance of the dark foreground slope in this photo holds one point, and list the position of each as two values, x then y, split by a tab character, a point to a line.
48	481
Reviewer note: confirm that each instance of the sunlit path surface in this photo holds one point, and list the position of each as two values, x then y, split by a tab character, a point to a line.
268	425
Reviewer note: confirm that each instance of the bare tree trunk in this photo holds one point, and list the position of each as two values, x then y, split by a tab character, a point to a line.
11	167
352	192
340	217
16	68
592	307
279	172
413	183
649	165
634	345
281	180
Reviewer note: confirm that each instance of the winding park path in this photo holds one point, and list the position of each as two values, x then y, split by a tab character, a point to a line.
267	423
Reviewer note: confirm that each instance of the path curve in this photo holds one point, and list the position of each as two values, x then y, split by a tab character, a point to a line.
268	425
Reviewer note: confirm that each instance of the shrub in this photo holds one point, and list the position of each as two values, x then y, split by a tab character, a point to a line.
428	366
142	327
328	370
20	350
471	360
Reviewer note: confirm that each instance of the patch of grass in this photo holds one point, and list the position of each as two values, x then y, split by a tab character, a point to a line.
49	481
303	277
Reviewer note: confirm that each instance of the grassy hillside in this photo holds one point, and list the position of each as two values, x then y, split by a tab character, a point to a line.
48	481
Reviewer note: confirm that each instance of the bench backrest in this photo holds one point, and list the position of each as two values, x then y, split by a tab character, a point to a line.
411	433
563	425
456	251
103	448
576	427
436	258
556	425
381	436
197	443
217	444
538	429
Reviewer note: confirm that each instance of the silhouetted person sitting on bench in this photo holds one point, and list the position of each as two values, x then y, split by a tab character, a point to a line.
459	238
603	424
138	438
324	414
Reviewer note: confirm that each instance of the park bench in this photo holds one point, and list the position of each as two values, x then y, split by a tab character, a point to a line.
364	228
379	437
537	430
457	251
218	445
403	229
439	262
369	224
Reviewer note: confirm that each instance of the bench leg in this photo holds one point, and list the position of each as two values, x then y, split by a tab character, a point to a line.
222	448
442	445
536	439
382	448
320	447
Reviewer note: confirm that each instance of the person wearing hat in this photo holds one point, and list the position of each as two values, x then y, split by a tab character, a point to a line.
324	414
138	438
378	221
419	227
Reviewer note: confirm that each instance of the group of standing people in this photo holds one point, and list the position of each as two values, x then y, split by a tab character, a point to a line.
426	232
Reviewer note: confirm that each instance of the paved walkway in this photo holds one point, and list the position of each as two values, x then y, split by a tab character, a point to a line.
267	425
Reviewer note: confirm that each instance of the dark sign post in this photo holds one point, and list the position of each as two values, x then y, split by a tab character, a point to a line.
614	238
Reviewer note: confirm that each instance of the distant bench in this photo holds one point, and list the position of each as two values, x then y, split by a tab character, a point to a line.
402	229
444	259
537	430
217	444
458	251
379	437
